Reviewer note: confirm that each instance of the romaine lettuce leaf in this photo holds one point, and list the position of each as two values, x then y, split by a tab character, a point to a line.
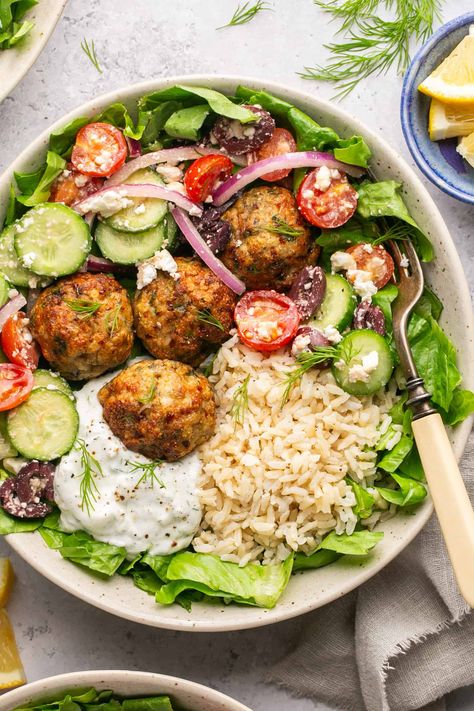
92	700
12	29
392	460
186	123
364	500
36	187
460	407
411	492
254	584
358	543
315	560
10	524
81	548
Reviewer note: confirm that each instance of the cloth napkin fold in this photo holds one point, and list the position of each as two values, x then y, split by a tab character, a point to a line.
400	642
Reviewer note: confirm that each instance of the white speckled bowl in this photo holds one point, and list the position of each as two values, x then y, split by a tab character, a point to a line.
16	62
186	694
309	589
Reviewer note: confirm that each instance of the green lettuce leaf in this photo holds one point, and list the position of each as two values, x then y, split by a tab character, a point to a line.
36	187
358	543
186	123
252	585
429	305
392	460
411	492
384	299
364	500
152	703
10	524
12	29
92	700
353	232
461	406
81	548
315	560
411	466
383	199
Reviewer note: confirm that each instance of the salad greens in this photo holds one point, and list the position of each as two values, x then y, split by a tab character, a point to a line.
12	25
93	700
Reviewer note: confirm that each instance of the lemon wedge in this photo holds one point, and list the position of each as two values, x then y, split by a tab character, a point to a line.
466	148
11	668
6	580
453	81
450	120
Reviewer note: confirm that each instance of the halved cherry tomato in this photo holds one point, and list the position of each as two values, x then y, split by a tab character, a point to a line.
281	142
202	175
72	186
17	342
375	260
326	208
99	151
16	383
266	320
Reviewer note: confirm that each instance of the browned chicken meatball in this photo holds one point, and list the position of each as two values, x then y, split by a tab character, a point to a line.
257	252
160	408
174	317
84	325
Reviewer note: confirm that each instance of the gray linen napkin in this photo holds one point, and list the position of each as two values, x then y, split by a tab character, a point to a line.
399	642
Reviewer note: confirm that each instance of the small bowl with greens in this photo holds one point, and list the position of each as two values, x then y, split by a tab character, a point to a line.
118	690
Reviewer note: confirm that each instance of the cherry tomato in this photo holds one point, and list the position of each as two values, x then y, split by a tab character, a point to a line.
16	383
72	186
266	320
326	208
375	260
202	175
17	342
99	151
281	142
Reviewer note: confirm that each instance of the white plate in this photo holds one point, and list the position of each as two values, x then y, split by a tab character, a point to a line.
309	589
186	694
15	62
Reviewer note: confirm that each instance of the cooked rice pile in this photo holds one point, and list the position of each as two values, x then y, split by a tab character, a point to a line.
275	483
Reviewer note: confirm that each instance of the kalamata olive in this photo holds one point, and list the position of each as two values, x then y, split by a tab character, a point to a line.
239	138
369	316
307	291
22	495
308	339
215	231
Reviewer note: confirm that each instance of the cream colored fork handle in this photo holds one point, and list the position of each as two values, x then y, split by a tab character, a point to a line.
450	499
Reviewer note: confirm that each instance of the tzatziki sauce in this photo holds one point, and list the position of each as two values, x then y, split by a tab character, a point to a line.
158	515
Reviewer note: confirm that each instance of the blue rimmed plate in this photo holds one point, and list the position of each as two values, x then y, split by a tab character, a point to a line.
438	160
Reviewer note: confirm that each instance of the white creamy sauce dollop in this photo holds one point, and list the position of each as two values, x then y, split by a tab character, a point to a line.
159	519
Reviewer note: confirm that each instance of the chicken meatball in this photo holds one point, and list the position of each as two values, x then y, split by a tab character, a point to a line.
183	318
84	325
270	242
160	408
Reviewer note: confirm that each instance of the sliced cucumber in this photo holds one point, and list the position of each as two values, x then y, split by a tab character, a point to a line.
4	289
129	247
171	233
45	426
6	447
51	381
347	370
52	240
9	263
145	213
338	304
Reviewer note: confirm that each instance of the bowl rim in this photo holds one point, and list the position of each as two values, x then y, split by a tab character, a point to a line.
409	90
107	678
19	542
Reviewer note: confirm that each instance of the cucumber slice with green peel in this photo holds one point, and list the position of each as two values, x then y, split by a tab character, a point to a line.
145	213
338	305
171	233
129	247
45	426
364	363
50	381
52	240
4	289
6	447
10	265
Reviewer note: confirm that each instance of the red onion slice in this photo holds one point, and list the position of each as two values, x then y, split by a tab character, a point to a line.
134	147
92	203
203	251
285	161
10	308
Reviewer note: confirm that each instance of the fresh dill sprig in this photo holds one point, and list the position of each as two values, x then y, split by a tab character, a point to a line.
206	317
372	44
83	307
240	402
146	399
90	470
89	51
399	232
281	227
112	320
306	360
246	12
149	474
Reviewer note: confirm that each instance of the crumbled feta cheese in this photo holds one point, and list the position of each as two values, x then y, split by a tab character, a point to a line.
362	283
169	173
324	177
360	372
195	211
12	293
332	334
161	261
308	194
140	209
177	187
81	180
28	259
341	261
107	203
300	344
404	262
23	224
368	248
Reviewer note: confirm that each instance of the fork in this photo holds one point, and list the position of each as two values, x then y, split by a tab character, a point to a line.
448	492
